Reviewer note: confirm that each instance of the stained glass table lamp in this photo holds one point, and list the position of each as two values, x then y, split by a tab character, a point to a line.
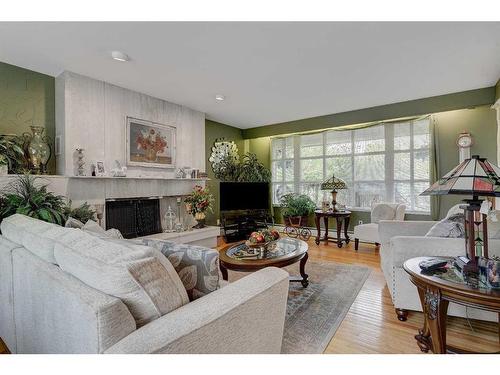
477	177
334	184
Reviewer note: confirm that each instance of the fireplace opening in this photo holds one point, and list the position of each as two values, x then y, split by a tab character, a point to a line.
134	217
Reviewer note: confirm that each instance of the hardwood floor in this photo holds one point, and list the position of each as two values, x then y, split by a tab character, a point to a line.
3	348
371	325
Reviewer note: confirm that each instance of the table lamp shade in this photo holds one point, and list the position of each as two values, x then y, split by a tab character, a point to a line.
334	183
475	176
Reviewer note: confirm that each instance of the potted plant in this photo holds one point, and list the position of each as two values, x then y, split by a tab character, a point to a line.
25	196
11	154
198	203
82	213
296	208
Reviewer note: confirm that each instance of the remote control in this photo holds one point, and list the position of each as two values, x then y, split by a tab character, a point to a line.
432	264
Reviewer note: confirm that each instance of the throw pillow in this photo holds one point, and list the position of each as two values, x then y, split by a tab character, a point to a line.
198	267
95	229
450	227
140	276
74	223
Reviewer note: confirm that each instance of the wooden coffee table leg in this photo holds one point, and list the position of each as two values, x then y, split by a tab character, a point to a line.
305	276
318	227
223	270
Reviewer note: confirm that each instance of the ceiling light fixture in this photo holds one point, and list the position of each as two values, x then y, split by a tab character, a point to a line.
120	56
220	97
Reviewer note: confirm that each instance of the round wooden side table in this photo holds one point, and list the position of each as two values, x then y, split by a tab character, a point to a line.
436	291
341	217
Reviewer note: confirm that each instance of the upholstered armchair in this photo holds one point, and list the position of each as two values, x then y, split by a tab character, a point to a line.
380	211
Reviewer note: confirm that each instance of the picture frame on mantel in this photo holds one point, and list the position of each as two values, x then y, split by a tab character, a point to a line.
150	144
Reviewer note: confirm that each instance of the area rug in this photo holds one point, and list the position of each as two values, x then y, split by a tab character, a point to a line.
314	313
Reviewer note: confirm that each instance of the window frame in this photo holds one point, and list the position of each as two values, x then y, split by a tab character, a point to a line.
389	154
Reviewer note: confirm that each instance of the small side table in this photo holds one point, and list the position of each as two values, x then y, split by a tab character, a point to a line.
436	292
341	217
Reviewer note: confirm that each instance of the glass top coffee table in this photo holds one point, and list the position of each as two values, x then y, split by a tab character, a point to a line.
280	253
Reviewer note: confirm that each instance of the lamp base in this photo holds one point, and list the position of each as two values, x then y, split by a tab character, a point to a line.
476	231
334	200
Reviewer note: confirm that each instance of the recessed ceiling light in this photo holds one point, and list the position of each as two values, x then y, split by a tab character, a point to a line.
119	56
219	97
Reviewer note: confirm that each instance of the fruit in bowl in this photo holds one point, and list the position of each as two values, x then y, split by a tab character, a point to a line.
262	238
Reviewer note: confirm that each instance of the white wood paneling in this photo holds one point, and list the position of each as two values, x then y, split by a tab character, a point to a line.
94	114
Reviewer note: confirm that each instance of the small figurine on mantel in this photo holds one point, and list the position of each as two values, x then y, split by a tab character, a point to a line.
118	170
80	171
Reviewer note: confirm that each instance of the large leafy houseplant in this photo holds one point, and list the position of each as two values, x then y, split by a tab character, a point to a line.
294	206
28	197
250	169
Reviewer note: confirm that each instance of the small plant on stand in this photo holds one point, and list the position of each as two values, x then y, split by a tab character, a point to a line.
198	203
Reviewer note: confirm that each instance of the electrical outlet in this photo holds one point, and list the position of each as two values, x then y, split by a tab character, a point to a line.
360	222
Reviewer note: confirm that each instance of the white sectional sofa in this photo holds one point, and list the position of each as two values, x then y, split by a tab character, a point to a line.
44	309
403	240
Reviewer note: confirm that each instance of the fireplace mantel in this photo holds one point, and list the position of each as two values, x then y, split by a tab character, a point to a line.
98	189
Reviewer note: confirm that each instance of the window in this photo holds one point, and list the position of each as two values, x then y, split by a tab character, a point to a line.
387	162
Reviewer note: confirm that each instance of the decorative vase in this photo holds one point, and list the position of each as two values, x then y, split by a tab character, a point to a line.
150	154
38	149
200	219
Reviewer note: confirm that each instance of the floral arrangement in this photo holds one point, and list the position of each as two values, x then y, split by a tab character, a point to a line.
199	201
151	140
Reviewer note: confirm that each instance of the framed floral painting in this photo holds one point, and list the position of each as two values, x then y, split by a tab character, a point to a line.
150	144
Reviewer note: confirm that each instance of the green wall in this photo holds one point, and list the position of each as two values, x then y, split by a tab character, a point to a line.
214	130
497	91
27	98
481	123
461	100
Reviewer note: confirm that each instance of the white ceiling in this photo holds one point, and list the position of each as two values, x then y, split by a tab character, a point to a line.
269	72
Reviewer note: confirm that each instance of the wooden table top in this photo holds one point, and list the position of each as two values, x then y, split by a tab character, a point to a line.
332	213
453	290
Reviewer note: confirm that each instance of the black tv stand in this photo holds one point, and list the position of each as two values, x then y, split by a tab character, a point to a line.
238	225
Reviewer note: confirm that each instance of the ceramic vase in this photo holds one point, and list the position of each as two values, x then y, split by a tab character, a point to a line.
200	219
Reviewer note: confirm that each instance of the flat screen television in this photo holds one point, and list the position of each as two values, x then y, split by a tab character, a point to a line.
244	196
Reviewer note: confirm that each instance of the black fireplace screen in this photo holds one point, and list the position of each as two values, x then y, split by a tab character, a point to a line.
134	217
